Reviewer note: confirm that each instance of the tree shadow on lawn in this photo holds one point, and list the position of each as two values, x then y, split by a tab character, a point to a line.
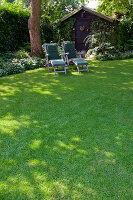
67	137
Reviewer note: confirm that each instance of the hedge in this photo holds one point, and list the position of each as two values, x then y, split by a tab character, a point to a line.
13	27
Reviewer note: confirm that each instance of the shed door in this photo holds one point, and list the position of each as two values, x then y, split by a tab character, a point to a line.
81	32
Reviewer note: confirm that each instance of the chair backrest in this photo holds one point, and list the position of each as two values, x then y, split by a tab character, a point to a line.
69	47
52	51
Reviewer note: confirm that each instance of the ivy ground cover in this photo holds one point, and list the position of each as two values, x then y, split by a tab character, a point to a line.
67	136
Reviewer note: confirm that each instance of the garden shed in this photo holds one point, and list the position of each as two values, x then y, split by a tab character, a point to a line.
81	27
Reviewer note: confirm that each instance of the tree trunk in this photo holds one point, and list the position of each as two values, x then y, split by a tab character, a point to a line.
34	28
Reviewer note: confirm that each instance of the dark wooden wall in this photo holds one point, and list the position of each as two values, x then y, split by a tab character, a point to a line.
81	28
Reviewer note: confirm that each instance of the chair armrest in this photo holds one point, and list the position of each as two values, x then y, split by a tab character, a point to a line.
47	58
79	53
64	54
66	57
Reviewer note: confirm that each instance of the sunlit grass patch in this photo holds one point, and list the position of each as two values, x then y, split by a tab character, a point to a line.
67	136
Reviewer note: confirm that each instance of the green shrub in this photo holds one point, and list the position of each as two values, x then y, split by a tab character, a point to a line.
64	30
105	51
21	54
13	63
30	63
109	41
13	26
119	34
109	54
2	73
7	68
46	29
26	47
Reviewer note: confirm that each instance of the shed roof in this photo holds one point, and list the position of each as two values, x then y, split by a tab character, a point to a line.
88	10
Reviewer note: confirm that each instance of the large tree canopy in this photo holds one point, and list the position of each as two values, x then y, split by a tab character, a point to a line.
56	9
116	8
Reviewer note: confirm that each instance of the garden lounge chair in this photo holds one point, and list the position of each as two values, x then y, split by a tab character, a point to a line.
53	57
70	52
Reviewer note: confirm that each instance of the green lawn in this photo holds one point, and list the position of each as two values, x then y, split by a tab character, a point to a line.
67	136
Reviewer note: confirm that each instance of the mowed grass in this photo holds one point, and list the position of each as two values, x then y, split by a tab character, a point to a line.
67	136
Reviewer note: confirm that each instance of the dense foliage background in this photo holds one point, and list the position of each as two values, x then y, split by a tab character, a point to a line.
13	26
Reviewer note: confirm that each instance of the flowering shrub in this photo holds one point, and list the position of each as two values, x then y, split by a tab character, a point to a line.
119	34
104	51
9	64
107	52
